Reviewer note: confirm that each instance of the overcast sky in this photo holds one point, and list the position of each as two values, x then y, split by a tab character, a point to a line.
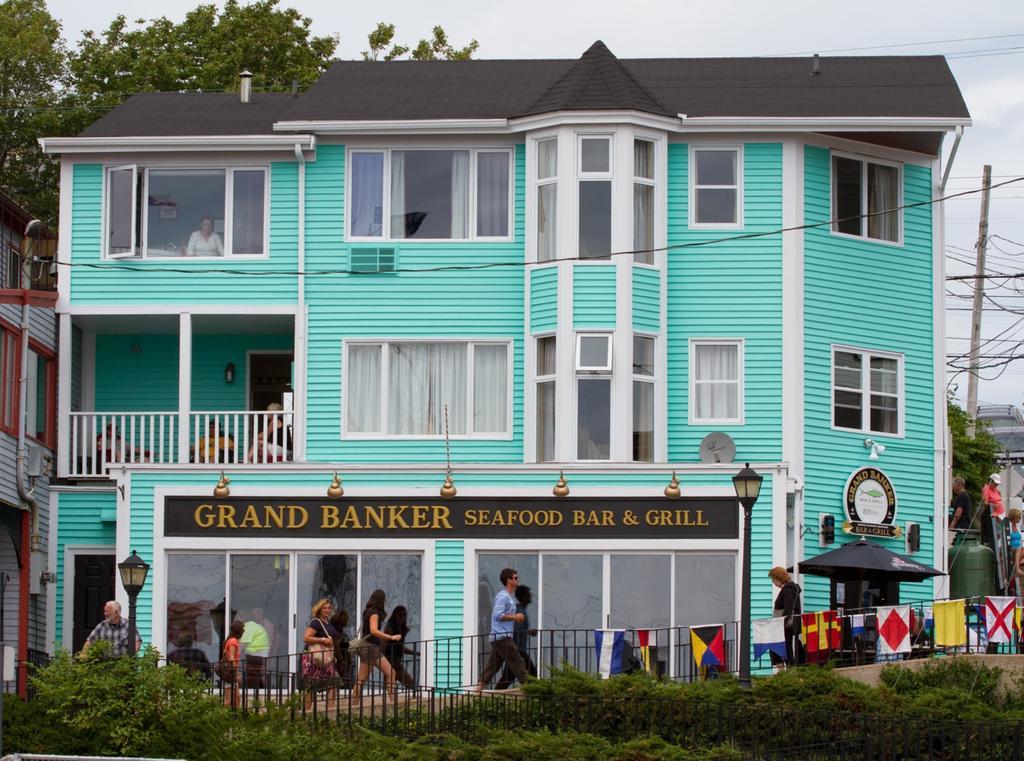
989	69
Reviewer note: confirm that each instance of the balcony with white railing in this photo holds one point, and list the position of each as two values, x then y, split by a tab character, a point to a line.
100	441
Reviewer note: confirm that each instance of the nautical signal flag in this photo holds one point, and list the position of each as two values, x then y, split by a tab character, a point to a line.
770	637
643	640
609	644
999	618
708	644
893	624
821	634
950	623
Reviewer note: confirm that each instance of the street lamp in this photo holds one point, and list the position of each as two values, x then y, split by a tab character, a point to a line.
133	570
748	485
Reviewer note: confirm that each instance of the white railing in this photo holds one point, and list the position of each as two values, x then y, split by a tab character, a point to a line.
241	438
101	440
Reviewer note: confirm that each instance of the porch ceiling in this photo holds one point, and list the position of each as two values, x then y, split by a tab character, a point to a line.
211	324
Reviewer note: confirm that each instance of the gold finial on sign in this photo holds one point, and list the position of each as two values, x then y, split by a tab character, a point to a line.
672	490
448	487
334	491
561	486
221	490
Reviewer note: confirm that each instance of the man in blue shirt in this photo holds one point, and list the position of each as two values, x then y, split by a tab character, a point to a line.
503	620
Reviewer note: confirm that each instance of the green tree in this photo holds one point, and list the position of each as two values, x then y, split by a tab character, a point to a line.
32	66
438	47
974	459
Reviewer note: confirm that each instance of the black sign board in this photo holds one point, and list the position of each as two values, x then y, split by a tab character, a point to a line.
513	518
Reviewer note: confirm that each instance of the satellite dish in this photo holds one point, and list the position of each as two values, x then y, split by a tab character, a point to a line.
717	447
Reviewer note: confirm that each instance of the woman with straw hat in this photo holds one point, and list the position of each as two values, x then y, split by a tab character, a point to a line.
318	661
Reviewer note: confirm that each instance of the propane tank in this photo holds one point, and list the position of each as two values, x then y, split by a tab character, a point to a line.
971	568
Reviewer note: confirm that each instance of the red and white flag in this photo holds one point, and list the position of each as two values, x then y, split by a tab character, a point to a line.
999	618
893	625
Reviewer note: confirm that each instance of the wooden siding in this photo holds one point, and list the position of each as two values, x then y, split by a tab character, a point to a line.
449	608
543	299
871	296
484	303
137	281
142	380
210	353
646	300
81	524
731	289
593	296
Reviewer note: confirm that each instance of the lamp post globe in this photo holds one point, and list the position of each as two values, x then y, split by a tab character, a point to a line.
747	484
133	570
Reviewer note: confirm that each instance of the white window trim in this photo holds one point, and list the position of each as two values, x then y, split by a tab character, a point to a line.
865	160
581	177
652	379
606	368
536	184
653	183
471	343
693	223
141	255
865	390
538	379
740	343
385	236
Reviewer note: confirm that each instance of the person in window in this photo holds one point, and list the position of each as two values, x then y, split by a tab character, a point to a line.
204	241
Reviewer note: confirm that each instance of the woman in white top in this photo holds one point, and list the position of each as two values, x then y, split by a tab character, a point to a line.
204	241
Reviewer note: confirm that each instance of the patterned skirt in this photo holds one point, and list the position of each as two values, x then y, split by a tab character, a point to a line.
318	675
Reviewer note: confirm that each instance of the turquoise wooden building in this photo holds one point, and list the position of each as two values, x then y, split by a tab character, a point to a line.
503	272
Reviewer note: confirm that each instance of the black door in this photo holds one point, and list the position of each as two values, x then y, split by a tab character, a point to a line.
94	586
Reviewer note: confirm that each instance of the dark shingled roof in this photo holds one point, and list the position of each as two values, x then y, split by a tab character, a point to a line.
174	113
895	86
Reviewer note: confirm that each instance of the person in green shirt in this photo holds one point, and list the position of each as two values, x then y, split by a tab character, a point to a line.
255	646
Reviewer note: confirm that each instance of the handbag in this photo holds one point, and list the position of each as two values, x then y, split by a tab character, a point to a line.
357	644
319	653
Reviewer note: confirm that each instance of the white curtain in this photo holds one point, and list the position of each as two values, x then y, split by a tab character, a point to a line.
883	186
643	421
364	384
716	378
643	227
492	194
460	194
547	200
490	389
367	194
397	194
422	378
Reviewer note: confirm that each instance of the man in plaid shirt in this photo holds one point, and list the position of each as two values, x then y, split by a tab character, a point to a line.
115	630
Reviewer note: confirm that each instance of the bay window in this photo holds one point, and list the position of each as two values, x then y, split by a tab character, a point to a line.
429	194
178	212
866	198
547	199
716	381
545	413
593	396
595	197
401	388
643	399
867	391
643	201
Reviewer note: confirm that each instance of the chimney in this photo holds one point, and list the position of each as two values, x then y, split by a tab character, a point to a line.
815	66
245	90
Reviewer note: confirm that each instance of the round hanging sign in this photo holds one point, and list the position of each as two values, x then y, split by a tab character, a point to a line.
870	497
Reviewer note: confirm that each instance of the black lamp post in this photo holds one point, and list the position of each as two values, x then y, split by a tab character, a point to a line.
748	485
133	570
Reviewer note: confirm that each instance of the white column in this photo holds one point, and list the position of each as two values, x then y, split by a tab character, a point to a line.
184	384
566	246
943	452
63	394
621	449
299	354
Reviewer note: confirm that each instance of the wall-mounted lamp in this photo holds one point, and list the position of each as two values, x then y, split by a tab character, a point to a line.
229	373
876	448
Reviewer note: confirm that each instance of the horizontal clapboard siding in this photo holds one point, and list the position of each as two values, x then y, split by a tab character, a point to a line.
593	296
80	523
134	281
543	299
646	299
871	296
484	303
449	607
137	373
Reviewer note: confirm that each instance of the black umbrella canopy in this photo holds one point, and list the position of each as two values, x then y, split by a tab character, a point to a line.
866	560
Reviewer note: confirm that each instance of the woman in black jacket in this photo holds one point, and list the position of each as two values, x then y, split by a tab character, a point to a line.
787	605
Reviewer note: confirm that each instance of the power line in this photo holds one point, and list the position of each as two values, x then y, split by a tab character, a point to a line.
902	45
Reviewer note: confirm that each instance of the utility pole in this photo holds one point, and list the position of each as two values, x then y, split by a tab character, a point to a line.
979	294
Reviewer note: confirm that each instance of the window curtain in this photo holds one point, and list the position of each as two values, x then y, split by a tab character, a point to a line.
247	213
397	194
422	378
546	223
367	194
643	421
883	186
492	194
490	389
716	376
460	194
643	224
364	384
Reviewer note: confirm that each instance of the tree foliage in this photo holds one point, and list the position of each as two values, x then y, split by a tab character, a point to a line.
384	48
974	458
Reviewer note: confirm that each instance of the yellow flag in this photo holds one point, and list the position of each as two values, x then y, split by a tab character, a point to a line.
950	623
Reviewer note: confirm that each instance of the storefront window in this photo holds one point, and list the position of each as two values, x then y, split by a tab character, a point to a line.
332	576
259	598
399	577
640	591
195	600
489	571
705	589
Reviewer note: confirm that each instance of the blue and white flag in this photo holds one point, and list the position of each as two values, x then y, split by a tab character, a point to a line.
770	636
608	644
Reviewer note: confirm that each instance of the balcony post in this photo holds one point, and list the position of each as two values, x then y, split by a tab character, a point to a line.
63	394
184	384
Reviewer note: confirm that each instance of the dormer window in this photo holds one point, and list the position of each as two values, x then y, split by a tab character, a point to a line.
430	194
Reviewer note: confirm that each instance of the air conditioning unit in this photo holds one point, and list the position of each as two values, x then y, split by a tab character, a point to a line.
373	260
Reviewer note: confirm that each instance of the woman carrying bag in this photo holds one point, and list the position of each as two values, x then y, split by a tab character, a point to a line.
787	605
228	667
318	670
369	649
